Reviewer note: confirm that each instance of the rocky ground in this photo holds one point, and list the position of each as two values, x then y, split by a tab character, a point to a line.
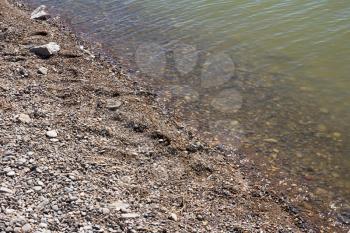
85	148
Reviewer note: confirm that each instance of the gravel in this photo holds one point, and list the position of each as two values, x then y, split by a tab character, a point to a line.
110	170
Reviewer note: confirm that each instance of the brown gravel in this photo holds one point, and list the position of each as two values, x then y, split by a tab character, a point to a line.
85	148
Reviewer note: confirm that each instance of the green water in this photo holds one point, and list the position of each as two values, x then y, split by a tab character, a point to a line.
278	91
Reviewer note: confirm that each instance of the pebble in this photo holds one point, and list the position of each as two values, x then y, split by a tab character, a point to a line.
40	13
173	217
5	190
37	188
26	228
271	140
113	104
105	211
130	215
52	134
43	225
24	118
11	173
47	50
119	206
42	70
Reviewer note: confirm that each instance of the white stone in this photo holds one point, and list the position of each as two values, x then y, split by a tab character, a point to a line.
130	215
173	217
43	70
24	118
11	173
37	188
52	134
40	13
47	50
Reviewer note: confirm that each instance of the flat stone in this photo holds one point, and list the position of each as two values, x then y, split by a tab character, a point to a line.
37	188
24	118
113	104
11	173
119	205
130	215
5	190
52	134
26	228
42	70
40	13
47	50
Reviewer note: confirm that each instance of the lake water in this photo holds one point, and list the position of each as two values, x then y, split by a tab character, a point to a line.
269	77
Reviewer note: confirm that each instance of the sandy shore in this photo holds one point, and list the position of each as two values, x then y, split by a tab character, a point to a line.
85	148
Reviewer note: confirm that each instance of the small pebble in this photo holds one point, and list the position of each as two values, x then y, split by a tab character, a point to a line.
52	134
11	173
173	217
26	228
24	118
42	70
130	215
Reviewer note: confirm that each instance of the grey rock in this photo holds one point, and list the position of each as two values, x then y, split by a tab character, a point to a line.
11	173
43	225
119	205
24	118
5	190
105	211
26	228
47	50
113	104
37	188
40	13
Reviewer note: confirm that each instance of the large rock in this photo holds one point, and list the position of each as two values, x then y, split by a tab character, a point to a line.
40	13
47	50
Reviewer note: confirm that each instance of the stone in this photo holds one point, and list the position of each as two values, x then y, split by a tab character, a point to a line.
26	228
24	118
105	211
118	205
42	70
173	217
271	140
11	173
5	190
46	51
113	104
40	13
52	134
43	225
37	188
130	215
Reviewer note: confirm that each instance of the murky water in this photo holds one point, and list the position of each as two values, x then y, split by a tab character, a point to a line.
266	76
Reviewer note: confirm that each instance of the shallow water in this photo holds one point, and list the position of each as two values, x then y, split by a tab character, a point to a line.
266	76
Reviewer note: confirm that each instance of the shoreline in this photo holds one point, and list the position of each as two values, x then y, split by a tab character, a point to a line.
162	177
